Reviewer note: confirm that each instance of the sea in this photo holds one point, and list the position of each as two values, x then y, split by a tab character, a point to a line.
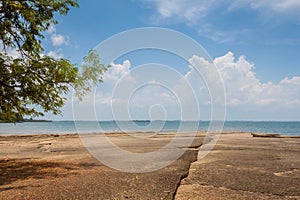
61	127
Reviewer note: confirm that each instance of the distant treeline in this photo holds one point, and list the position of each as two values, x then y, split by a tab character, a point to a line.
19	119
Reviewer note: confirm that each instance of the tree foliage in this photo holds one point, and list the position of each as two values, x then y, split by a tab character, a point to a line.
35	80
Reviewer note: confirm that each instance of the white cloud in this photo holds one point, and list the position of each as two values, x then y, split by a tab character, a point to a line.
51	29
244	88
13	52
111	78
117	71
10	51
124	90
181	10
280	6
244	92
197	14
58	39
193	10
55	54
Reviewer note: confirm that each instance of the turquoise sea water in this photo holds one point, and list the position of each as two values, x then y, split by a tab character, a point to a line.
284	128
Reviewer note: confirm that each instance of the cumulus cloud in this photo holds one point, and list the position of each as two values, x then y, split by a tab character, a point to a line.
97	104
244	88
51	29
104	92
117	71
244	91
57	39
55	54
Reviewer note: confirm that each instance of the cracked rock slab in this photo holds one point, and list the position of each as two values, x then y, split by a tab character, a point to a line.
244	167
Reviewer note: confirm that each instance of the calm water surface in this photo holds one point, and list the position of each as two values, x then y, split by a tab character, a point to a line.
284	128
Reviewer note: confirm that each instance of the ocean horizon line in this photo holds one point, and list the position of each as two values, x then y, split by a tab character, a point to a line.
175	120
70	126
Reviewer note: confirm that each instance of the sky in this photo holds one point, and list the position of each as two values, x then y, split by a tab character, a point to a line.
254	45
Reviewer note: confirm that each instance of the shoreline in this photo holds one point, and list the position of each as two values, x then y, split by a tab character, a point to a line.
54	134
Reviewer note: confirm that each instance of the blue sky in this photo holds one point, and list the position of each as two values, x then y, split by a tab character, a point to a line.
266	33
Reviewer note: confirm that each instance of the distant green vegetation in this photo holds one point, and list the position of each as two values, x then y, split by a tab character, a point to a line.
19	119
33	79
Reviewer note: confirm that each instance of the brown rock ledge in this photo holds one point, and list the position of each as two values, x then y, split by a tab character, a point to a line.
59	167
245	167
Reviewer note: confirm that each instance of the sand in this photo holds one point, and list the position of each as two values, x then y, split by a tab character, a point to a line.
239	167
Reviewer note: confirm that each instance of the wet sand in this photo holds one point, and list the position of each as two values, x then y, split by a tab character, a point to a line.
239	167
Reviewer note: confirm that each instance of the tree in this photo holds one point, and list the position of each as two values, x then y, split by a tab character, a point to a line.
35	80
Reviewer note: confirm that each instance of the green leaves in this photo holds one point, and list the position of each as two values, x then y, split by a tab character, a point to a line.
34	80
91	74
22	22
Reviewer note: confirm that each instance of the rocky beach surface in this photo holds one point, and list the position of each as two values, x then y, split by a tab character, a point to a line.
240	166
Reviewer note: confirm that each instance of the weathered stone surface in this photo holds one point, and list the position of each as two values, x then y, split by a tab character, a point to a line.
244	167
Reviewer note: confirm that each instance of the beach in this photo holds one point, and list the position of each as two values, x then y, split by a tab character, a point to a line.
240	166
